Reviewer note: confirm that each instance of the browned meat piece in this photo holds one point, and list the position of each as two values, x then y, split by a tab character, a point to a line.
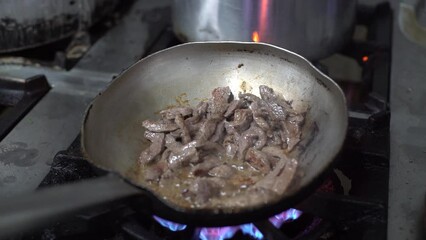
242	119
293	130
206	130
259	117
165	155
202	189
230	129
249	97
199	113
258	160
219	133
275	139
156	147
176	133
186	137
150	135
172	144
204	167
194	128
219	102
180	158
159	126
278	112
234	105
231	146
280	108
247	140
222	171
280	178
259	108
176	111
213	147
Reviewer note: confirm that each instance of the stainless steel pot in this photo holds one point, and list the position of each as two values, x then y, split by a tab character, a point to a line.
30	23
313	29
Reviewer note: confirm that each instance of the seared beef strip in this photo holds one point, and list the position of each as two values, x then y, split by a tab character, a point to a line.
171	113
219	102
258	160
234	105
186	137
159	126
154	149
222	171
280	178
223	152
242	119
219	133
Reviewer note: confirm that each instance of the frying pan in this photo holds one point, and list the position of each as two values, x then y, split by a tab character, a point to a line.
112	132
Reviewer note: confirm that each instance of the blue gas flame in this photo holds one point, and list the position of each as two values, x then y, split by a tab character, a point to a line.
286	216
170	225
222	233
250	229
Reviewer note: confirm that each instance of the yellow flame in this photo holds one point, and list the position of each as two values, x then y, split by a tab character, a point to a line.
255	36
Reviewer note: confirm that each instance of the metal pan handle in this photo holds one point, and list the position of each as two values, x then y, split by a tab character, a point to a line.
22	213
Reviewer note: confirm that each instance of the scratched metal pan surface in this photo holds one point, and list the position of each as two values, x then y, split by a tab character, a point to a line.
112	131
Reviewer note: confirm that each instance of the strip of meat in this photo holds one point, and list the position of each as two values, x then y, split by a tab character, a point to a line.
156	147
259	108
213	147
159	126
188	153
199	113
278	112
242	119
275	139
219	133
172	145
258	160
247	138
231	146
280	108
280	178
186	137
234	105
176	133
219	102
176	111
258	116
293	129
206	130
222	171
